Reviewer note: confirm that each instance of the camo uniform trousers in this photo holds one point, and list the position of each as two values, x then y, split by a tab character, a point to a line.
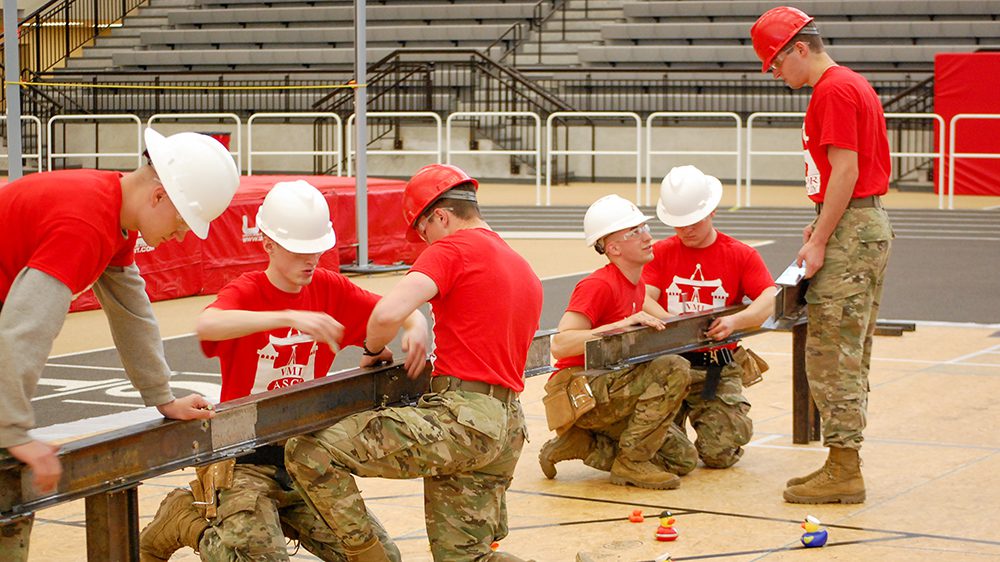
722	423
14	538
842	304
635	413
463	444
253	513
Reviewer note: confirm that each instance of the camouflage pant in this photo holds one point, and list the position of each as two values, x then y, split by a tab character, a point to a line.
722	423
253	513
464	445
843	300
634	416
14	538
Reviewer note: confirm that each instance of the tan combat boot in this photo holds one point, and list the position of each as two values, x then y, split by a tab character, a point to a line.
177	523
574	444
642	474
371	551
803	479
840	481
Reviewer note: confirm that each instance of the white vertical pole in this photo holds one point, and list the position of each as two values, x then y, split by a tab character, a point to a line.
361	132
12	73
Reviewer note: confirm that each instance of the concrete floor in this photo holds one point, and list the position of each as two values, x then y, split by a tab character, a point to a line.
930	456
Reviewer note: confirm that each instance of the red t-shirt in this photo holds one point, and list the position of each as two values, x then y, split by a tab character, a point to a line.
694	280
604	296
486	310
66	224
845	112
700	279
278	358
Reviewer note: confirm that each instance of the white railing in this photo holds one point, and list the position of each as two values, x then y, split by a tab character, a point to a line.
537	152
38	127
234	138
701	152
336	135
953	155
939	154
751	152
550	151
395	115
95	119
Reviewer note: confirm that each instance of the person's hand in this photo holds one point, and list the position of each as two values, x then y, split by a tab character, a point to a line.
807	233
415	347
320	325
721	328
643	318
385	356
42	460
191	407
813	255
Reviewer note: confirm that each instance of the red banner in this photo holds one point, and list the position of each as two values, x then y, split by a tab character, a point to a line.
968	83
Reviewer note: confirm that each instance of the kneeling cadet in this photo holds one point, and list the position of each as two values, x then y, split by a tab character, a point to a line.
628	428
270	329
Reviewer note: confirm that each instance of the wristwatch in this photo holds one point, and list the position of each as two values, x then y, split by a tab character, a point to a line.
369	353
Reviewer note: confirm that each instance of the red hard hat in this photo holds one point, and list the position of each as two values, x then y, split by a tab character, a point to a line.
774	29
425	187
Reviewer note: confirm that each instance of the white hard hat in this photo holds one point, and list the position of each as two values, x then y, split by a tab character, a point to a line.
608	214
296	216
198	173
686	196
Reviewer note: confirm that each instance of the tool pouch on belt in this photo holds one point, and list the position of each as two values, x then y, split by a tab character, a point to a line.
212	478
752	364
567	398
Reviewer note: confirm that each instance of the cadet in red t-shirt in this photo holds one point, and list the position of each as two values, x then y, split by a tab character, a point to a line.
272	329
66	231
465	436
697	270
630	430
845	250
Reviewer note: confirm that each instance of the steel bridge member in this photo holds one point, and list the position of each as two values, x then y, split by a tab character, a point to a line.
464	437
66	231
845	249
622	421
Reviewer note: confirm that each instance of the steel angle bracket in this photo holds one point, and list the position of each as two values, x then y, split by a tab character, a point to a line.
790	301
617	349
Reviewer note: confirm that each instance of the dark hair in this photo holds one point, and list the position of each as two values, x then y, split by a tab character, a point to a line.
461	208
814	40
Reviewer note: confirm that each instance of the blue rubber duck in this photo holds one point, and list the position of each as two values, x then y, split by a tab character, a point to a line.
815	536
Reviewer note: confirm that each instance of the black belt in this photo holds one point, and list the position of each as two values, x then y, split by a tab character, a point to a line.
870	202
712	361
442	383
269	455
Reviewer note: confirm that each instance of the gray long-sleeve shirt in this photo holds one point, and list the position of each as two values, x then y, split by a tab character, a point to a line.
30	320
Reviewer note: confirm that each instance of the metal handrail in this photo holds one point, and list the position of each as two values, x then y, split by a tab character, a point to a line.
589	115
952	155
537	152
701	152
316	115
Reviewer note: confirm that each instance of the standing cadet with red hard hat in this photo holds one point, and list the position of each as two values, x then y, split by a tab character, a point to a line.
845	250
465	436
69	230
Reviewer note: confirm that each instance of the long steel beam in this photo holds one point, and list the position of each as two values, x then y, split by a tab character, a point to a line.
628	346
617	349
120	459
